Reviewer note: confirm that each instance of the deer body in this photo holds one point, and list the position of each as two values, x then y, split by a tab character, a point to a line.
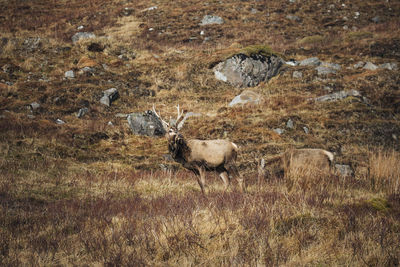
302	159
200	156
318	159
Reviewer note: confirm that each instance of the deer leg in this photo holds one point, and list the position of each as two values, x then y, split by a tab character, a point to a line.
232	170
225	178
201	179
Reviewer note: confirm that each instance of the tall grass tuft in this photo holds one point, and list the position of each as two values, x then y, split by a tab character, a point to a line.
384	170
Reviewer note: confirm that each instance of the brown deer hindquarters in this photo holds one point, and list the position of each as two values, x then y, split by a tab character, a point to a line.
306	159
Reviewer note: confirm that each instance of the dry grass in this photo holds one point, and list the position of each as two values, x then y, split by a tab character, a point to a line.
385	171
90	193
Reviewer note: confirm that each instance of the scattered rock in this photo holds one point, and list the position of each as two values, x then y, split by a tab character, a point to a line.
146	123
109	96
326	68
289	124
127	11
338	96
306	130
69	74
389	66
370	66
293	18
34	106
246	71
359	64
377	19
82	112
279	131
312	61
344	170
246	97
58	121
210	19
297	74
150	8
82	36
292	62
32	44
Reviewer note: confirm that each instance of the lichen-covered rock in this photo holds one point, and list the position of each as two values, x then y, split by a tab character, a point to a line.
312	61
246	97
146	123
82	36
209	19
246	71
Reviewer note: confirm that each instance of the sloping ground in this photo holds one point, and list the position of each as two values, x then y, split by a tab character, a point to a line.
158	53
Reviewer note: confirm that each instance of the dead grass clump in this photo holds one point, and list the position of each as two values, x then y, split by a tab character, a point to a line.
384	171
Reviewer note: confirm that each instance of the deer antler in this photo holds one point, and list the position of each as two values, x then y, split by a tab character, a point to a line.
179	118
164	123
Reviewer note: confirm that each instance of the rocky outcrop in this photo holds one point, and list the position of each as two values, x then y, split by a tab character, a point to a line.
146	123
246	71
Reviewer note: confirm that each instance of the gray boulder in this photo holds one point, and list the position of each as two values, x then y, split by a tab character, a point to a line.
209	19
109	96
246	97
338	96
82	36
146	123
312	61
326	68
246	71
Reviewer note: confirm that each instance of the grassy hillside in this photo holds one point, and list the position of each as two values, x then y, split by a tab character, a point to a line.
90	192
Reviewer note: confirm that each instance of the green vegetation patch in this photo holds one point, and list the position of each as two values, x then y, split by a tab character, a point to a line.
263	50
359	35
379	204
314	39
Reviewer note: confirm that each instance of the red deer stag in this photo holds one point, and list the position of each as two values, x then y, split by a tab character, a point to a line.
200	156
302	159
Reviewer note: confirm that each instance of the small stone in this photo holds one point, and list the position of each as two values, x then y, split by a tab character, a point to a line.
109	96
69	74
34	106
388	66
297	74
209	20
58	121
293	18
376	19
306	130
82	112
82	36
279	131
370	66
359	64
289	124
